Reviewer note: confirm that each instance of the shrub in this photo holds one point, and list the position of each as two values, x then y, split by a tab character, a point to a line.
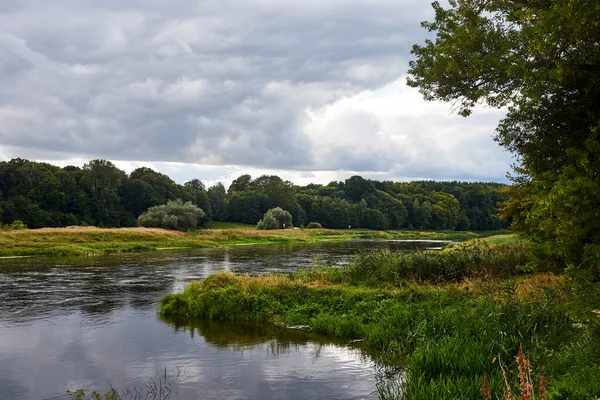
14	226
275	218
173	215
17	225
314	225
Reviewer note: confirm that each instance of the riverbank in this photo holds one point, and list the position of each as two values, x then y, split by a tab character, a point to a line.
439	318
94	241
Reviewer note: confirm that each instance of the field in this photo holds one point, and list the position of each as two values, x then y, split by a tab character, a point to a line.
92	240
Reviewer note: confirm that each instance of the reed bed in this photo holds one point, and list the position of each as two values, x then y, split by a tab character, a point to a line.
438	319
386	267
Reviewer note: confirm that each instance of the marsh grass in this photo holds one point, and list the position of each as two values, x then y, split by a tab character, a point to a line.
439	317
386	267
159	388
92	240
494	239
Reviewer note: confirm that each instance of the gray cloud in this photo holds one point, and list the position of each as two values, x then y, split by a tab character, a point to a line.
224	82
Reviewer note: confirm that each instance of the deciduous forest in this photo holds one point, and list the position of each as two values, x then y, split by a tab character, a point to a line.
100	194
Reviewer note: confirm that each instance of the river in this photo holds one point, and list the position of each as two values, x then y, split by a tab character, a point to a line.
92	322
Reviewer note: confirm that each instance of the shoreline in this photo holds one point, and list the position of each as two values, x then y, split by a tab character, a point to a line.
440	317
91	241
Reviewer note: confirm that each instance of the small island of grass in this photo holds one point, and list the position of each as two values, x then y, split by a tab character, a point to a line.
442	320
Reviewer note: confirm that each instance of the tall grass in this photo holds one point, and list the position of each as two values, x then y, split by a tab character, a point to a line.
440	318
386	267
92	240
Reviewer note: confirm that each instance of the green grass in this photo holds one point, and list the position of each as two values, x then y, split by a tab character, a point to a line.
384	268
229	225
91	240
443	330
492	240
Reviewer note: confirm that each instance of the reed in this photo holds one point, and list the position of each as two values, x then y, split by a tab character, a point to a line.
386	267
440	326
526	386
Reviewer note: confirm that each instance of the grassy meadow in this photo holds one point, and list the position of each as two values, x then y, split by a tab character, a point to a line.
441	321
92	240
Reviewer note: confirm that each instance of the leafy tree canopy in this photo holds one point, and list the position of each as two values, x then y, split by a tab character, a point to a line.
540	60
175	215
275	218
43	195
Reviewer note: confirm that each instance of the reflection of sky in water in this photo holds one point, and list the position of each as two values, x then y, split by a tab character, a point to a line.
78	322
131	347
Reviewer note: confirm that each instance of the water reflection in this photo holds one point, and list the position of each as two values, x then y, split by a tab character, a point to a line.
67	323
283	363
47	287
239	335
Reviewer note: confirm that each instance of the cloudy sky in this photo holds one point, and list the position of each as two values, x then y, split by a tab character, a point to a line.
311	90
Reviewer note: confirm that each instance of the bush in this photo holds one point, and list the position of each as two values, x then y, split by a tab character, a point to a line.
314	225
275	218
14	226
17	225
174	215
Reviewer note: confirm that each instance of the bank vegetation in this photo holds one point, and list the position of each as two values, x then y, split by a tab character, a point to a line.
439	320
94	241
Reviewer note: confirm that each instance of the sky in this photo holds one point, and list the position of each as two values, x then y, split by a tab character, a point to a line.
312	91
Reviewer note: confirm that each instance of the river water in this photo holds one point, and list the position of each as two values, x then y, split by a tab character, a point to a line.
92	322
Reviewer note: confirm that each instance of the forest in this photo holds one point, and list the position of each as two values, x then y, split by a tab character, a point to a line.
100	194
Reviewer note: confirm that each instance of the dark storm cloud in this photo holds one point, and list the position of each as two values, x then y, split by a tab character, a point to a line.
225	82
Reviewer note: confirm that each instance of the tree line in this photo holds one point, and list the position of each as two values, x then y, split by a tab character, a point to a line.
100	194
540	61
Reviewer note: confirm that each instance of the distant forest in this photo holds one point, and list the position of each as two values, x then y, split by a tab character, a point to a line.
100	194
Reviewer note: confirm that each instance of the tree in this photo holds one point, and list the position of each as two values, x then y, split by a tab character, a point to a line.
375	219
244	207
175	215
298	214
195	191
240	184
356	187
275	192
102	180
445	211
314	225
218	201
195	184
275	218
540	60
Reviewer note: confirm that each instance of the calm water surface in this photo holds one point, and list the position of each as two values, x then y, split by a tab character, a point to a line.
87	322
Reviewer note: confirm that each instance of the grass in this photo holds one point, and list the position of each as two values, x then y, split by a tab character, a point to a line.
491	241
438	319
229	225
91	240
386	268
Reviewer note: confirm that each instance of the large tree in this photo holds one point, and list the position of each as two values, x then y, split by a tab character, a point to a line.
218	201
540	61
102	180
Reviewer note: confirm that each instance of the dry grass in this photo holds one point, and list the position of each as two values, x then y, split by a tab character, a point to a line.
521	289
69	230
526	288
76	240
526	386
496	240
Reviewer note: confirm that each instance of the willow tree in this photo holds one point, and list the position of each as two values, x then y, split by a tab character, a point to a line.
539	60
